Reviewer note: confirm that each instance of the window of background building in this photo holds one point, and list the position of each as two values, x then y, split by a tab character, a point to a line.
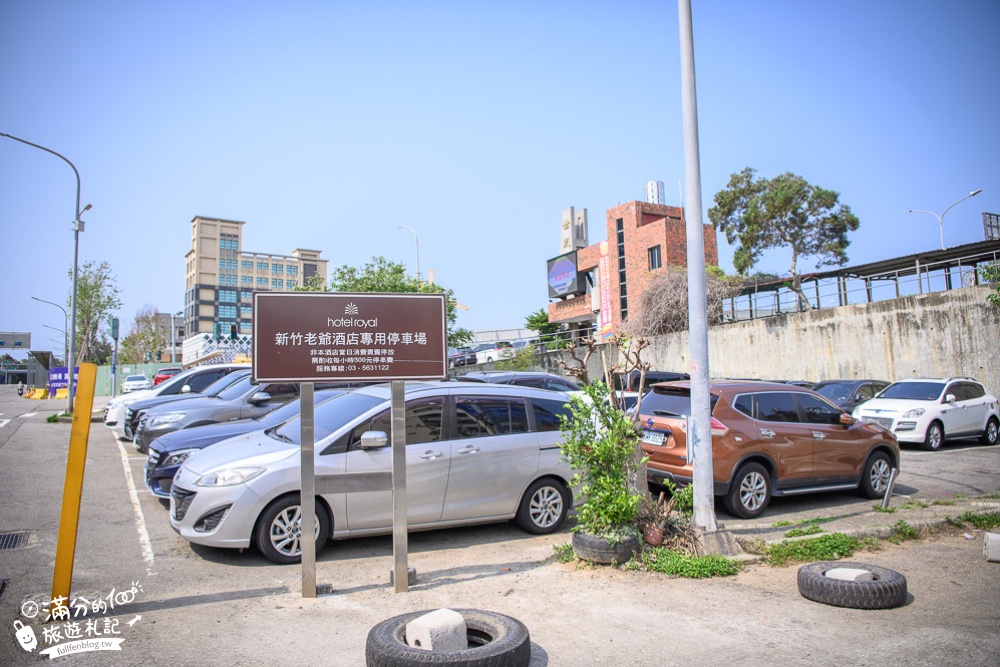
246	264
276	284
277	269
290	283
262	266
227	295
246	280
227	312
262	281
655	261
292	271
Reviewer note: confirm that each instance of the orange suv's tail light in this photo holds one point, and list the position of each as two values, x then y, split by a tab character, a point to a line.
718	428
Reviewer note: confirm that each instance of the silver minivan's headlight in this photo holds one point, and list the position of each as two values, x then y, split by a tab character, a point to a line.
915	412
229	476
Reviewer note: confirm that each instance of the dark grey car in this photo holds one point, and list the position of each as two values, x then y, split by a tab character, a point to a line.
849	394
241	400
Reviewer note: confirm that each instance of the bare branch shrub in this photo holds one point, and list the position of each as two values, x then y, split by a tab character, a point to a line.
664	304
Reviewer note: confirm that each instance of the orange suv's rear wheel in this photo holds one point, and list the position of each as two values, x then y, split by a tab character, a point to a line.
750	492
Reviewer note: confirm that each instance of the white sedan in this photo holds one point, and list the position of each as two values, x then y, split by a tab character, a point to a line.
135	383
925	411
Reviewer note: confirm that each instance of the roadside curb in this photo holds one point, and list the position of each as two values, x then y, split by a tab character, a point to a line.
874	524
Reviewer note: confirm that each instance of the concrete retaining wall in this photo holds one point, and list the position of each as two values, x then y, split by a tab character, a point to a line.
939	334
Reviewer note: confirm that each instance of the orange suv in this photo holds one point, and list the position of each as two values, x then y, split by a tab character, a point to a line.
767	440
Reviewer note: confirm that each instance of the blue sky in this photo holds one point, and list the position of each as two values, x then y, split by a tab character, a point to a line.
327	125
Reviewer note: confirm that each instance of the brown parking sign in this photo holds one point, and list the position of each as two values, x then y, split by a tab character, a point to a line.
330	336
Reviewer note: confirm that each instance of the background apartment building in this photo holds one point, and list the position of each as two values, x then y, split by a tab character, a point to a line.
221	277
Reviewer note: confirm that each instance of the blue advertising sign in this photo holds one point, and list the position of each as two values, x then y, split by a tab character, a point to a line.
563	277
59	377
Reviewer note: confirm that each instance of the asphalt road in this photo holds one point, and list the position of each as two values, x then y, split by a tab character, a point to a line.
199	606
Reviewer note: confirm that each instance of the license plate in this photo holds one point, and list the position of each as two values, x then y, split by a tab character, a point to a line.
653	438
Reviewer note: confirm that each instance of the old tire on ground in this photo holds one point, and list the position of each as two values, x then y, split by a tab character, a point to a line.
991	434
599	550
887	590
495	640
544	507
934	438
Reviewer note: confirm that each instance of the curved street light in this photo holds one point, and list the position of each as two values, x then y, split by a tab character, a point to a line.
66	323
77	228
65	339
416	245
940	218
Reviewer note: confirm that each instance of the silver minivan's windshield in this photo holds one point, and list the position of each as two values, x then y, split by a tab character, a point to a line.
328	417
914	391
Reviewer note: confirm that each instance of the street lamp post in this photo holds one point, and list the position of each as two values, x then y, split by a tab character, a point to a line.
65	339
416	245
77	228
940	218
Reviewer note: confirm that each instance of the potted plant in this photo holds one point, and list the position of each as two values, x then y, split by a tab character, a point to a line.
600	443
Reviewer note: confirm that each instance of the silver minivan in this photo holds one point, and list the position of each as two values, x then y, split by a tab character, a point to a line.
475	453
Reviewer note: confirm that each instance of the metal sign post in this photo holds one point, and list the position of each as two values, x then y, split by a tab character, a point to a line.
401	573
308	473
309	337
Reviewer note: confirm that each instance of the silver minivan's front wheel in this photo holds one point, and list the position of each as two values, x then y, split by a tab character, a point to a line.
278	533
544	507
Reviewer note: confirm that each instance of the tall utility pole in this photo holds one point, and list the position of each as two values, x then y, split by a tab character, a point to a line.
77	228
703	515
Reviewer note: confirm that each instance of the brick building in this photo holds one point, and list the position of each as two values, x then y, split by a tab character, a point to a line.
643	240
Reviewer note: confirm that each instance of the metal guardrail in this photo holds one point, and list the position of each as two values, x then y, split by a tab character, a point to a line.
833	291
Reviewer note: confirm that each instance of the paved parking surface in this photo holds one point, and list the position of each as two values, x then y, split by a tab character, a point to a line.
194	605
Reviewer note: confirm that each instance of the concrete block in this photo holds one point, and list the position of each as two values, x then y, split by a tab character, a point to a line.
849	574
991	547
441	630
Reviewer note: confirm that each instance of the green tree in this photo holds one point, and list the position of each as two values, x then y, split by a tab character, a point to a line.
990	275
381	275
786	210
97	296
143	338
538	322
313	283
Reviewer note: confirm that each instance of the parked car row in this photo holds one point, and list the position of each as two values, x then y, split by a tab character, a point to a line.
477	452
487	448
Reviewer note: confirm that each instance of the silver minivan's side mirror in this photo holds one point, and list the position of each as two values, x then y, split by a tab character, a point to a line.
373	440
186	389
949	398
